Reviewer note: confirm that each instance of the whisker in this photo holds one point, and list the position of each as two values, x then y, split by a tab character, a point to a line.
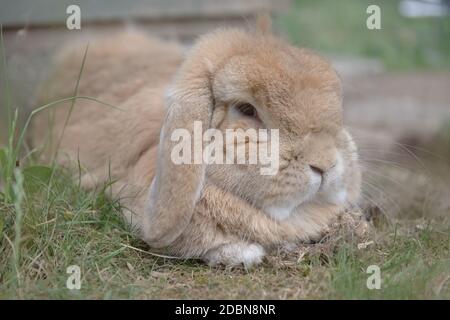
424	150
371	171
374	203
419	161
384	195
386	162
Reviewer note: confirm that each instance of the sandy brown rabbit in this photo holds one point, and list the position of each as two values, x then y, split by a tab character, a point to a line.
230	79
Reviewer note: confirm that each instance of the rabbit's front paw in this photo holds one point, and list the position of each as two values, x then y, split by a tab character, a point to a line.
235	254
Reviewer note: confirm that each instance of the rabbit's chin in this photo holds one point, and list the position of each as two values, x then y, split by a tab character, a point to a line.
279	212
338	197
284	211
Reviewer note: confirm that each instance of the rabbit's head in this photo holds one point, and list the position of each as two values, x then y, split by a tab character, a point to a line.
241	80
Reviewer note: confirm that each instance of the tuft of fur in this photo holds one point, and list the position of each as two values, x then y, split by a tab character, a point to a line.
223	214
264	23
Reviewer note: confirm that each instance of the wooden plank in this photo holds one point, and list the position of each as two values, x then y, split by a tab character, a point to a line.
20	13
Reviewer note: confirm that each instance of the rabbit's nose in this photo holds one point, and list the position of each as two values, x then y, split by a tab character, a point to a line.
316	169
321	169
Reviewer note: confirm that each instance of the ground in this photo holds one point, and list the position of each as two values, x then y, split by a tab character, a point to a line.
400	118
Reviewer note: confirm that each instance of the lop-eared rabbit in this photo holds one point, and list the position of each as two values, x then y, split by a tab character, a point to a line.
230	79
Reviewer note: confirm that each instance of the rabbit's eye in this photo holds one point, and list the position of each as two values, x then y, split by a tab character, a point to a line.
247	109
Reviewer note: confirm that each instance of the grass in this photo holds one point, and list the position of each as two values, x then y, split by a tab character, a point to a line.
339	27
48	223
58	225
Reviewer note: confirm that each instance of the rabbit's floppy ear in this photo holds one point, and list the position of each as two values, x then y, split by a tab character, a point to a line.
176	188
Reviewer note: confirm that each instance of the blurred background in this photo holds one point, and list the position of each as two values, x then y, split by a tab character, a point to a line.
396	79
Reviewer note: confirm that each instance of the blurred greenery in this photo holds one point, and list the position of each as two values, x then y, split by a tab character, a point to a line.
339	27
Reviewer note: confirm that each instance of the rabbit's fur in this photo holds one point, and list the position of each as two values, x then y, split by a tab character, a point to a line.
226	214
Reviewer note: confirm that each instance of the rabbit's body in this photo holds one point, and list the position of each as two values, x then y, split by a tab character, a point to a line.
212	212
129	71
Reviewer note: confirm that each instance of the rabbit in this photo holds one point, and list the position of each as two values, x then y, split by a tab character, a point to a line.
230	78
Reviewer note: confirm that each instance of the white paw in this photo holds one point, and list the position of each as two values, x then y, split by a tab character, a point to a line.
235	254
